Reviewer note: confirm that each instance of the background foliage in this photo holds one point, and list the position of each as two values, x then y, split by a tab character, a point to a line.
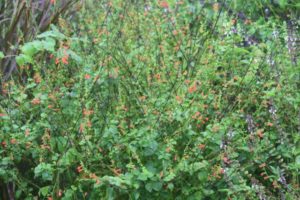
154	100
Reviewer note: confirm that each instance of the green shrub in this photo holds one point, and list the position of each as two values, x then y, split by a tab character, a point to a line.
153	100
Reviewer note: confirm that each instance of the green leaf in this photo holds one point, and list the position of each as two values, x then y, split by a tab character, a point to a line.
61	143
44	171
68	194
169	177
49	44
170	186
198	165
116	181
207	192
1	55
153	186
74	56
70	157
44	191
142	177
271	93
298	160
31	48
202	175
23	59
145	175
54	33
282	3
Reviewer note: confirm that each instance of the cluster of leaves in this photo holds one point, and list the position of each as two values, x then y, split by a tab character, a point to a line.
22	20
154	100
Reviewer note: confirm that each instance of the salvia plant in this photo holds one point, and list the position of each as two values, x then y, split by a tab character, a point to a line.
146	99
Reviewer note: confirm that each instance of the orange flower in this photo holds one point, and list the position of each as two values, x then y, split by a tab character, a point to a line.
157	76
222	171
79	169
13	141
87	112
233	21
269	124
248	21
59	193
3	144
27	132
89	123
2	114
93	176
201	146
164	4
226	160
81	128
260	133
36	101
168	149
117	171
142	98
37	78
65	59
52	1
87	76
275	184
262	165
196	115
178	98
57	61
192	88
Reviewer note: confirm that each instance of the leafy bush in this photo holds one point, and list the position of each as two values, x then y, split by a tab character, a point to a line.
154	100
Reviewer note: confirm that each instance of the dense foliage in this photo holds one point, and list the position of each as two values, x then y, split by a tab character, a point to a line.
21	20
153	100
